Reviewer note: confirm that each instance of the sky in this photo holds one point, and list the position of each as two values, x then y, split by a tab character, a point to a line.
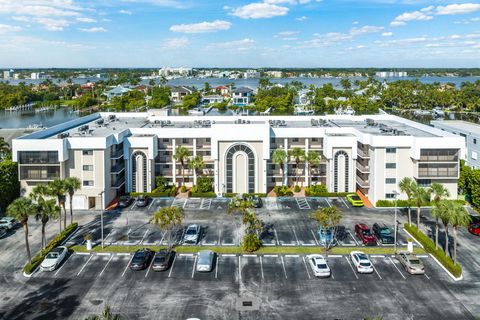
238	33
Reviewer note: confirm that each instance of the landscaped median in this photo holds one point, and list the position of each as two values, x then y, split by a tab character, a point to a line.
454	269
238	249
29	268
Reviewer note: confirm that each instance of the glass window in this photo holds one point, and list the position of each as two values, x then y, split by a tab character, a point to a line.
39	172
87	168
88	183
390	165
295	140
38	157
87	152
185	140
424	182
474	141
390	180
391	150
389	195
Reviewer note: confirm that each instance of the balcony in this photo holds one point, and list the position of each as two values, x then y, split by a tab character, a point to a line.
118	183
363	183
363	153
116	154
362	168
118	168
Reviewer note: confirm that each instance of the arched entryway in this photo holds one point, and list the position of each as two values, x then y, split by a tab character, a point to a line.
139	172
341	171
240	169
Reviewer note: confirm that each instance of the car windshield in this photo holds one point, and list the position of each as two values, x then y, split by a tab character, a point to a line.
366	232
191	231
385	231
123	198
362	256
52	255
414	261
204	258
139	255
326	231
365	264
160	259
355	198
321	266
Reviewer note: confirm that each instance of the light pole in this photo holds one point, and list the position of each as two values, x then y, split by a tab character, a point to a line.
395	223
101	214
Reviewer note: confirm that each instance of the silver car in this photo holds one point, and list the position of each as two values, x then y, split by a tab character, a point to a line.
410	262
205	261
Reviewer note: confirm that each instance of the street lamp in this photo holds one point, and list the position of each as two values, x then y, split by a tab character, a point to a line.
395	222
101	214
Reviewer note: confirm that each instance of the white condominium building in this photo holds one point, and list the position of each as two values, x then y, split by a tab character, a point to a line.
115	153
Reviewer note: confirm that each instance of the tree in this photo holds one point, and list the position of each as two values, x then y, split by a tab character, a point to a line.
9	185
191	100
72	184
21	209
57	189
345	83
279	157
298	155
439	192
105	315
419	197
47	210
169	220
313	159
182	154
329	219
196	164
459	218
251	224
405	186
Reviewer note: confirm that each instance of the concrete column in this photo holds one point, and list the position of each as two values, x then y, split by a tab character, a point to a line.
307	166
285	165
174	165
194	155
264	188
216	182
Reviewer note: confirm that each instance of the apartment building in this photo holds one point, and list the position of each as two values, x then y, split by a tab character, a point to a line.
115	153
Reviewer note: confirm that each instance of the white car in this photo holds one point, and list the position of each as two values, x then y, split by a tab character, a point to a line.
319	265
7	223
192	234
53	259
361	262
205	261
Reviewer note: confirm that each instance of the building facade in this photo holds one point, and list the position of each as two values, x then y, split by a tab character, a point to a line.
115	153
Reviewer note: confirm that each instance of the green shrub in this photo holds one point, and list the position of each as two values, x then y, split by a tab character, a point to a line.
204	184
296	188
316	189
229	195
258	194
37	260
251	242
404	203
283	191
171	191
203	194
183	189
439	254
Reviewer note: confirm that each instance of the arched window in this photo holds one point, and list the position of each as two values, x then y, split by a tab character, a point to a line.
336	178
233	152
139	172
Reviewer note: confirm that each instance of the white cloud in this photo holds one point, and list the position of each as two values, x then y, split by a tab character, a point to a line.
21	18
365	30
284	34
175	43
52	24
160	3
421	15
387	34
125	12
41	8
458	8
93	29
202	27
397	23
302	18
86	20
238	45
259	11
5	28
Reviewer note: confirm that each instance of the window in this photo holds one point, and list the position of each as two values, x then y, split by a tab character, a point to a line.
38	157
314	139
272	140
88	183
208	140
389	195
185	140
165	140
474	141
87	168
295	140
391	150
39	172
87	152
474	155
424	182
208	153
390	165
390	180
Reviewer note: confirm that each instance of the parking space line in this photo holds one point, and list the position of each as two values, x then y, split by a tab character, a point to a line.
426	276
64	263
126	267
375	269
306	268
295	234
171	267
228	255
144	235
313	234
151	204
292	256
219	231
276	236
351	235
341	198
149	267
328	202
283	265
106	265
239	268
185	254
84	265
396	267
185	203
261	266
194	264
216	266
133	205
351	267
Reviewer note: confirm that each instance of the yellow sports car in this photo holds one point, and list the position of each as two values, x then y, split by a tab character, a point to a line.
355	200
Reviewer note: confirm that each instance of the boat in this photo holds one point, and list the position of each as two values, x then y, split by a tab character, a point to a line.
438	112
349	111
196	112
422	113
301	111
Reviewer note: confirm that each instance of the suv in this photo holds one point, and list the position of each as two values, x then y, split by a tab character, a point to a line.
383	233
363	233
124	201
7	223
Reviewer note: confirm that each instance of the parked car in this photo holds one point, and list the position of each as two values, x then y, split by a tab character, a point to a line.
410	262
365	235
141	258
361	262
256	201
383	234
8	223
124	201
319	265
325	235
474	229
54	258
355	200
205	261
3	232
142	201
162	260
192	234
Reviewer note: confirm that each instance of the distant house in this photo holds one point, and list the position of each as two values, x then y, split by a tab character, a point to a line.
224	91
86	86
142	88
177	93
118	91
242	96
302	98
215	98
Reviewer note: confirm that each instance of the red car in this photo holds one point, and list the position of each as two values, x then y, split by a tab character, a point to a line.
363	233
474	229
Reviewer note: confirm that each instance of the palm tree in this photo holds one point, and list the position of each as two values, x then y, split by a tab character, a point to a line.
57	189
459	218
419	197
405	186
298	155
279	156
46	211
105	315
182	154
196	164
439	192
20	209
72	184
313	159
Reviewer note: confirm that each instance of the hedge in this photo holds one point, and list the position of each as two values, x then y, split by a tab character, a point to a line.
203	194
157	194
404	203
429	246
232	195
37	260
282	191
329	194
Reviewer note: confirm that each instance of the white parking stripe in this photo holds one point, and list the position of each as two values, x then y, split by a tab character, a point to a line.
351	267
194	265
295	234
151	204
261	266
84	265
106	265
185	203
351	235
171	267
239	268
375	269
313	234
427	276
219	242
216	266
133	205
64	263
328	202
396	268
126	267
276	236
306	268
149	267
144	235
344	202
283	265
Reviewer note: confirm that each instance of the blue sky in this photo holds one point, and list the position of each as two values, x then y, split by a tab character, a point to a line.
235	33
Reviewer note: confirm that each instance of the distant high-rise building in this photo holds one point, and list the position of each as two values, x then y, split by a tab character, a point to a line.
391	74
251	74
8	74
274	74
182	71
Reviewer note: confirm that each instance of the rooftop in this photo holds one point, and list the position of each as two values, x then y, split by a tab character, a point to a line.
459	125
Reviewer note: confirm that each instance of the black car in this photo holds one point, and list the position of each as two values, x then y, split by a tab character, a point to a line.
124	201
256	201
383	234
143	201
162	260
3	232
141	258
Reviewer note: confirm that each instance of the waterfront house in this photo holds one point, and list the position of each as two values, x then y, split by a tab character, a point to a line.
242	96
178	93
302	98
117	91
214	98
223	90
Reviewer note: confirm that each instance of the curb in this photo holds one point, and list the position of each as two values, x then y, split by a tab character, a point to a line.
448	272
413	238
